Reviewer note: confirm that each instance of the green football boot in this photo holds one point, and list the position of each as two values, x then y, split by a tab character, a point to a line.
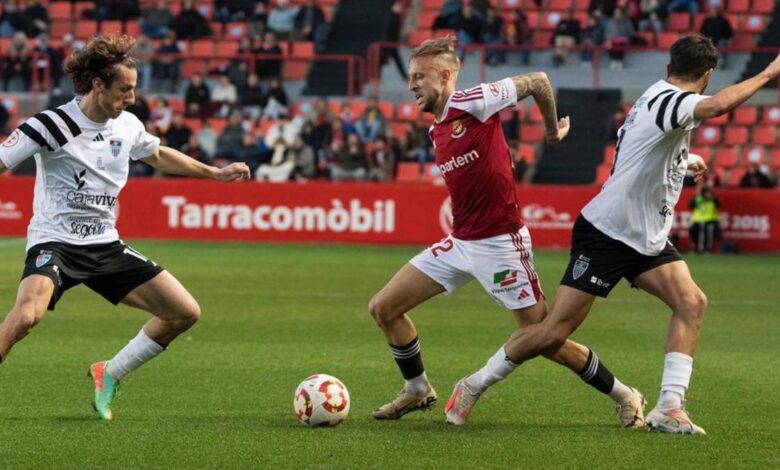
106	388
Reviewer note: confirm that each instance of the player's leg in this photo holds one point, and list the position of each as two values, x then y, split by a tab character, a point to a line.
407	289
32	299
673	284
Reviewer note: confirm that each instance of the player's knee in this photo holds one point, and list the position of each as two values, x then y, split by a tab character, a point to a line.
24	318
694	305
553	340
190	314
379	311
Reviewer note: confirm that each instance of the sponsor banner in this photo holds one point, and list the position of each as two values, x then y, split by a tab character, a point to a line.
364	213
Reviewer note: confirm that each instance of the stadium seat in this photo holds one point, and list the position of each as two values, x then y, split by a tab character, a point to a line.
218	124
774	159
408	172
726	157
698	19
432	5
427	17
581	5
754	24
417	37
194	124
533	19
399	130
302	49
85	29
721	120
561	5
764	7
680	22
431	174
602	173
236	30
387	108
294	70
79	8
111	27
191	67
745	115
765	135
534	114
407	112
335	107
736	135
357	107
667	38
60	11
531	133
738	6
60	28
708	135
132	28
755	154
704	152
771	115
648	36
550	20
734	177
227	48
202	48
527	153
542	38
742	40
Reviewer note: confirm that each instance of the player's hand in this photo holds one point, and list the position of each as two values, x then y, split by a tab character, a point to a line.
234	172
774	67
697	166
560	133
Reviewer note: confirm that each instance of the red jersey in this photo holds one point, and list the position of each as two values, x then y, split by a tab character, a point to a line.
475	162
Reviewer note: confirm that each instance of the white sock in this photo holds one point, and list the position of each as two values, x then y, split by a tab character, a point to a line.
621	392
418	385
677	375
497	368
138	351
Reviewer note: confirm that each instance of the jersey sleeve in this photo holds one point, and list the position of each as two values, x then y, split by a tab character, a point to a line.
145	144
675	111
29	138
486	99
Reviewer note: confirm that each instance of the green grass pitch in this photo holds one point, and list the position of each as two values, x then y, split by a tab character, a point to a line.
221	397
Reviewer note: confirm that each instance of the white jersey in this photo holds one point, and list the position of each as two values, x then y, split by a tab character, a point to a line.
82	166
636	204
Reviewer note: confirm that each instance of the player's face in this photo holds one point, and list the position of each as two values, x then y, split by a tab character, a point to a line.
121	93
426	82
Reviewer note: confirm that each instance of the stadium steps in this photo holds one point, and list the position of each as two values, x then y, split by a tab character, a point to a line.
574	160
356	25
770	38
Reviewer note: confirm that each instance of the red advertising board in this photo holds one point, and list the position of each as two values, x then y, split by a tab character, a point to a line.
362	213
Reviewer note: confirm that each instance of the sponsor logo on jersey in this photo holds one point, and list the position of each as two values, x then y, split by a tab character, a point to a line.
79	177
458	162
98	138
581	265
116	147
523	294
12	139
43	257
498	89
505	278
458	129
84	227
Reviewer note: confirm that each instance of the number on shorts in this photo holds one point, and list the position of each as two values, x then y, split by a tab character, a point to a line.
442	247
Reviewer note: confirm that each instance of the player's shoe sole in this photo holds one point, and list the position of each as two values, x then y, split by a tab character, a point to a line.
631	412
405	403
460	404
673	421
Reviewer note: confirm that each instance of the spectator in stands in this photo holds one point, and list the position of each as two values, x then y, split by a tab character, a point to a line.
251	97
372	124
275	101
449	15
650	19
18	61
144	55
258	20
178	133
381	160
251	152
167	64
231	139
310	25
190	24
565	37
197	98
227	11
45	59
605	8
140	108
755	178
37	18
283	128
156	21
613	124
393	24
618	33
686	6
320	116
517	32
162	115
12	19
280	167
281	19
224	96
418	144
304	160
705	228
470	29
334	142
121	10
207	140
267	67
592	36
494	29
349	163
195	150
520	166
718	28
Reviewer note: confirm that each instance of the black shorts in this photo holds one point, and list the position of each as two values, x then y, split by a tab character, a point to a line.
598	262
112	270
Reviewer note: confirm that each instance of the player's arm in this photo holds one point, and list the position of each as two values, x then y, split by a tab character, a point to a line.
733	96
169	160
537	84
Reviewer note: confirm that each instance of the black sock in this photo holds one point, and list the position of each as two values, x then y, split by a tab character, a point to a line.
408	359
596	374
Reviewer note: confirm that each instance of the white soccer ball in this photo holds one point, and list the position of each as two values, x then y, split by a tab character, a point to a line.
321	400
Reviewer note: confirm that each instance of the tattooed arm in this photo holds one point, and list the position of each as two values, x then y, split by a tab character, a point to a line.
538	85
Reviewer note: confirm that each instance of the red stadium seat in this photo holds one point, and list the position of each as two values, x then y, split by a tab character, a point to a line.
193	123
408	172
736	135
431	173
561	5
387	108
60	28
85	29
357	107
227	48
236	30
771	115
407	112
399	131
774	159
534	114
531	133
218	124
202	48
527	153
581	5
734	20
111	27
80	7
745	115
294	70
708	135
743	40
735	176
427	17
648	36
704	152
721	120
550	20
765	135
417	37
191	67
132	28
698	19
755	154
542	38
726	157
302	49
680	22
754	23
667	38
738	6
60	11
335	107
432	5
764	7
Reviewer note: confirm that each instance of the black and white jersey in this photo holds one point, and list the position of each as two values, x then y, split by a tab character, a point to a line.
82	166
636	204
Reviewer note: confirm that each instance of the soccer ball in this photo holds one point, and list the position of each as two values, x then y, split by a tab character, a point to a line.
321	400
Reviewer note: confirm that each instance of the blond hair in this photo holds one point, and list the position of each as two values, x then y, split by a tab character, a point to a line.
441	48
98	59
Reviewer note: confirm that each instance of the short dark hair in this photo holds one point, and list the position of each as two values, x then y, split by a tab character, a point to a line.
692	56
99	59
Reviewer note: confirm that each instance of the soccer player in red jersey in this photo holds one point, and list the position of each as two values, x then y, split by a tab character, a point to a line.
489	240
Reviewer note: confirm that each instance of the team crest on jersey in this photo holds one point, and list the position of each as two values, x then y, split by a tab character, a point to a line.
43	257
458	129
580	266
116	147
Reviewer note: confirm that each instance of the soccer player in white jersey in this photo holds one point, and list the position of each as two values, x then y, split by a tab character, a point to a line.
489	241
83	150
622	232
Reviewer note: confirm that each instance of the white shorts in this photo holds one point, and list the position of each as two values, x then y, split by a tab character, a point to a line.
502	264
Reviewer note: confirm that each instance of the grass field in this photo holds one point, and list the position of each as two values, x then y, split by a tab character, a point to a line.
221	397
